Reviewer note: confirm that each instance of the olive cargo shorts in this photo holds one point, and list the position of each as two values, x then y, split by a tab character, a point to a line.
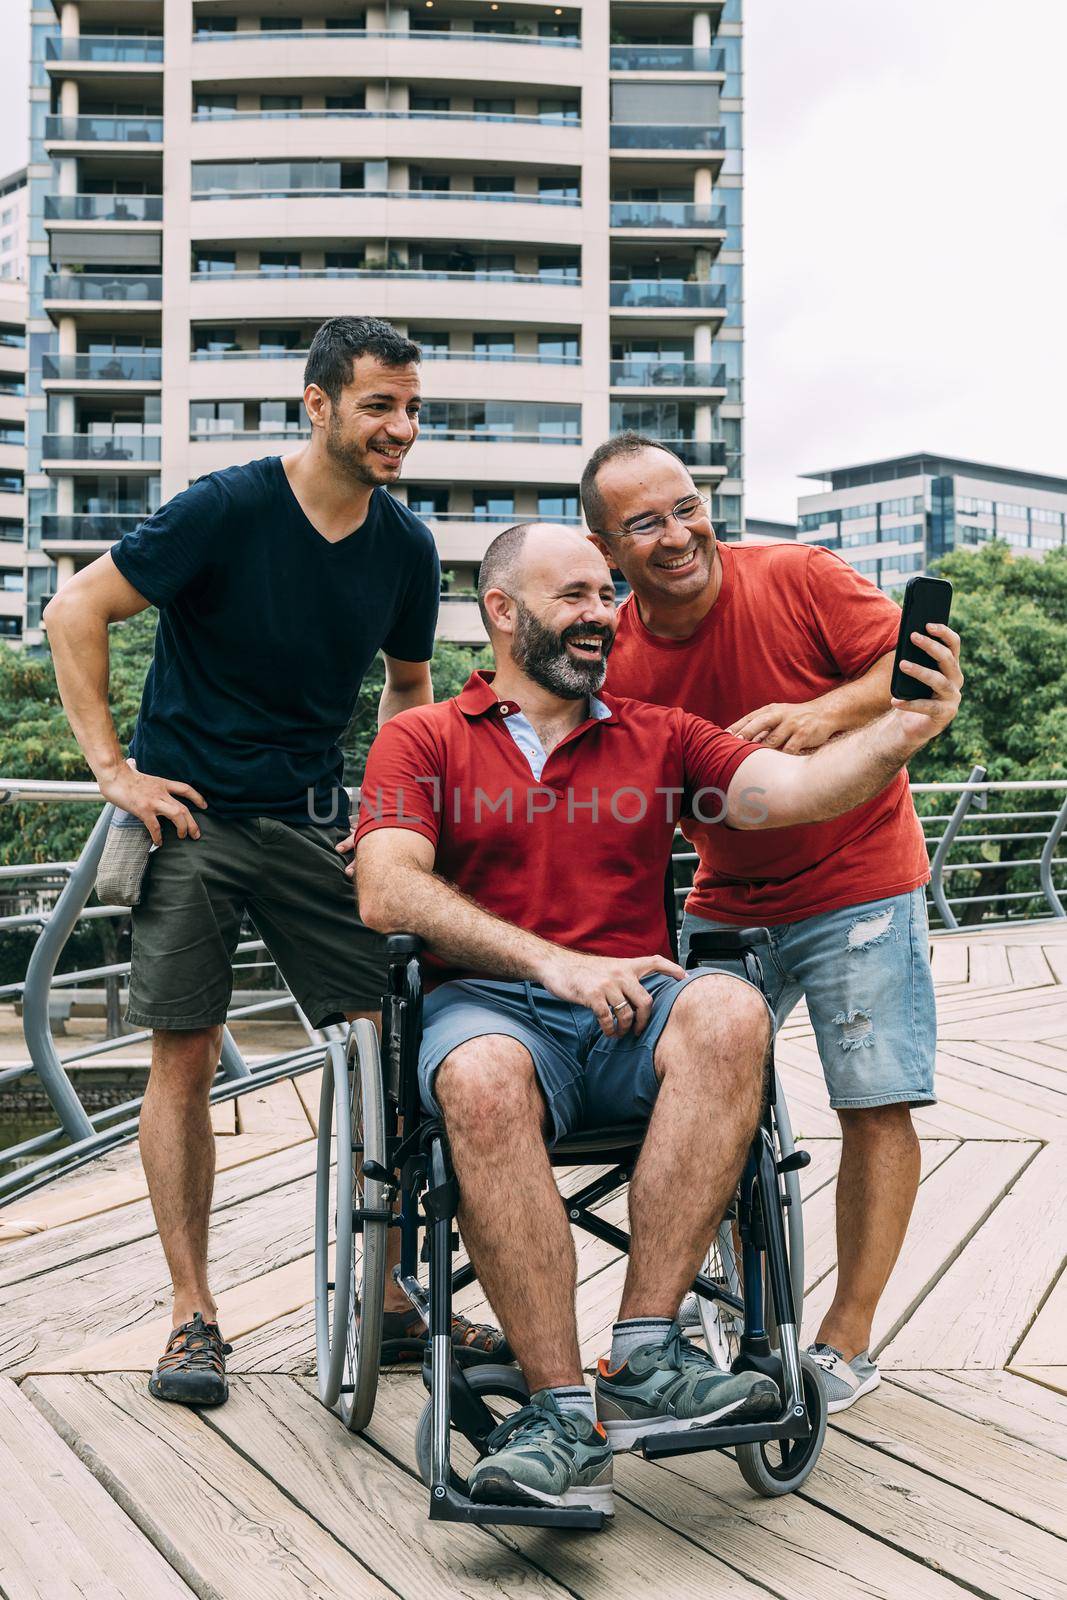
292	884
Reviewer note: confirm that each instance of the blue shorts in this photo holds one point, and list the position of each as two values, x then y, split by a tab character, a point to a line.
587	1079
865	973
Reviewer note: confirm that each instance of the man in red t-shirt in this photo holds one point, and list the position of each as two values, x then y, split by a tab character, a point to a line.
523	831
787	645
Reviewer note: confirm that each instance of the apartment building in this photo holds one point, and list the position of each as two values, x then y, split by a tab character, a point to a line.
547	197
12	458
890	519
13	213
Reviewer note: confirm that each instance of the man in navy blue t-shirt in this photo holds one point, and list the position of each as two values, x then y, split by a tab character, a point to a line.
276	584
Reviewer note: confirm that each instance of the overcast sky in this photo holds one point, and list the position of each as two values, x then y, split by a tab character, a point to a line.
906	231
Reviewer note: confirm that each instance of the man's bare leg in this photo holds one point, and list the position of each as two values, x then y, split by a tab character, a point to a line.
513	1221
178	1155
876	1188
710	1063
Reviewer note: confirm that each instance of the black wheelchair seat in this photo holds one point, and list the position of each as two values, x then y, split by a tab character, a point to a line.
616	1144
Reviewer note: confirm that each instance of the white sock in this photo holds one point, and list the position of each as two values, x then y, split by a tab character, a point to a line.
575	1397
632	1334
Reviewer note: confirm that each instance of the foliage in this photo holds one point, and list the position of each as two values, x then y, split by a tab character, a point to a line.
452	665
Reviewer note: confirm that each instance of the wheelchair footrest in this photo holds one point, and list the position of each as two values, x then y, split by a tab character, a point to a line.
686	1441
448	1506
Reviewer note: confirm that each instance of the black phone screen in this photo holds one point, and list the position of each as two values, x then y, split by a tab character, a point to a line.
925	600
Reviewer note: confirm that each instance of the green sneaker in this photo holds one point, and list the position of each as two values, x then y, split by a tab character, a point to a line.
544	1456
666	1387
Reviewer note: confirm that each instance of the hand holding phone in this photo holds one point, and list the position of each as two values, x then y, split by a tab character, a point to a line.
925	600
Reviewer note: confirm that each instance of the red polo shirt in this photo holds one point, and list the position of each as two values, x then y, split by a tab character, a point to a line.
790	622
578	857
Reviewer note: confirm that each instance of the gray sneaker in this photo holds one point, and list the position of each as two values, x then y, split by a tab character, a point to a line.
663	1388
845	1382
544	1456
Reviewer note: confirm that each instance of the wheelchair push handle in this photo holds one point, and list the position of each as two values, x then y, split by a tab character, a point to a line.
726	943
402	944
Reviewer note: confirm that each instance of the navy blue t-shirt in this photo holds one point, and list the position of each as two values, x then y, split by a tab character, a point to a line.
266	630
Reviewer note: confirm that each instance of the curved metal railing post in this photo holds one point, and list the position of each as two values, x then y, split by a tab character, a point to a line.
944	845
36	1026
1045	866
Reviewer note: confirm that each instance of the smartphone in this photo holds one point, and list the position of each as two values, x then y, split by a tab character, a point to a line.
925	600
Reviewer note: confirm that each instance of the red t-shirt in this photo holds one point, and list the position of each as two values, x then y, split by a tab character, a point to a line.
790	623
578	857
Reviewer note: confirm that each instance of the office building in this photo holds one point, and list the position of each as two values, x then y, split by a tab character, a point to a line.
547	197
891	519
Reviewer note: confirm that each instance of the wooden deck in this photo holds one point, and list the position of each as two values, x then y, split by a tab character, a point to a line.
950	1480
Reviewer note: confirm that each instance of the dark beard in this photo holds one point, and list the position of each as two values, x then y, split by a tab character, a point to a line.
542	655
350	459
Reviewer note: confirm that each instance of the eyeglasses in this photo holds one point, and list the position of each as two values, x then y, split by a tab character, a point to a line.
687	511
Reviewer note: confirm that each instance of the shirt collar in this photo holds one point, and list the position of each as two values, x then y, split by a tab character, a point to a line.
478	696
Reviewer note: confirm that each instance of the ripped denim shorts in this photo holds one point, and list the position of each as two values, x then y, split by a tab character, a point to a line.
865	974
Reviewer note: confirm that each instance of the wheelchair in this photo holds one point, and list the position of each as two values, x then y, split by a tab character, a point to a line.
399	1175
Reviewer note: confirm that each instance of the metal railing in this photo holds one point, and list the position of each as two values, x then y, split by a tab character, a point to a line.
404	35
1029	890
298	192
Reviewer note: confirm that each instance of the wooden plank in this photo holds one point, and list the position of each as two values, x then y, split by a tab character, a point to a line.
797	1550
1029	969
989	966
975	1456
948	961
308	1087
989	1551
242	1309
367	1502
976	1313
271	1108
223	1115
53	1208
1018	1107
1045	1344
221	1523
603	1568
60	1248
949	1209
1001	1400
62	1537
1049	1377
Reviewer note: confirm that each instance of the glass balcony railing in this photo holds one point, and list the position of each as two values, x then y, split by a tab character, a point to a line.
208	429
101	447
699	452
409	36
544	119
103	207
98	525
104	47
666	136
427	355
105	366
104	130
667	374
549	279
665	58
667	292
666	214
113	286
299	192
491	435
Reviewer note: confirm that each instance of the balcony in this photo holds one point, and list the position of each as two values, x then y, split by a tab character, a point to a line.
114	287
100	526
507	197
666	136
332	35
92	48
665	58
700	452
110	366
542	120
667	375
103	130
120	449
660	214
103	207
405	274
672	293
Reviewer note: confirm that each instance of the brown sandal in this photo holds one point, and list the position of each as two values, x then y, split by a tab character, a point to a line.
192	1369
405	1340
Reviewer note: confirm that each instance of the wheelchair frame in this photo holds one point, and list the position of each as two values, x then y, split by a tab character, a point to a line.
417	1169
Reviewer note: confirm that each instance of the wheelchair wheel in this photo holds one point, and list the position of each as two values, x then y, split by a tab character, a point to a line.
503	1389
781	1465
720	1325
350	1274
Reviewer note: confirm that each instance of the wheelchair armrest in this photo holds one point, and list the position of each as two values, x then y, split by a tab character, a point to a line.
725	943
403	944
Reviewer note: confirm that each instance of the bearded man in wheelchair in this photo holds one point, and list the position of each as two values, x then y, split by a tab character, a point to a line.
522	831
